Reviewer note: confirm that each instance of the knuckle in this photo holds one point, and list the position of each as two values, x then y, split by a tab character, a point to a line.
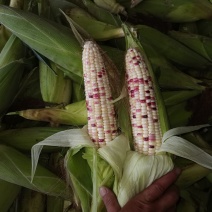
155	189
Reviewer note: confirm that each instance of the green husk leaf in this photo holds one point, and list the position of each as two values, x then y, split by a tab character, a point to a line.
16	168
96	29
183	148
200	44
55	88
175	97
111	156
10	192
173	50
73	114
10	77
175	10
179	115
53	41
101	14
80	175
75	138
23	139
12	51
54	204
140	171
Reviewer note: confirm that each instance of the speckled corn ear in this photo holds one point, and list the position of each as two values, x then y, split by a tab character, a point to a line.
102	126
143	106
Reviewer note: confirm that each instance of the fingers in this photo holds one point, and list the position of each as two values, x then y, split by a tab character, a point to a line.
159	186
109	199
169	199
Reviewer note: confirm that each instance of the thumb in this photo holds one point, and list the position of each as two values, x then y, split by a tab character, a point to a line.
109	199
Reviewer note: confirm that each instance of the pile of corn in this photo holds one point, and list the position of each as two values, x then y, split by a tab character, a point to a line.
67	64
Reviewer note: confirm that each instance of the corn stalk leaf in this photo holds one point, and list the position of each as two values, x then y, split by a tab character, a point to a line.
16	168
53	41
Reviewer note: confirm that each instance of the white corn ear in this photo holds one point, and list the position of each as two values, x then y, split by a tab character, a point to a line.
143	106
102	126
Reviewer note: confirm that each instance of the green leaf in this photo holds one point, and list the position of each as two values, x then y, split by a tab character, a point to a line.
80	175
16	168
49	39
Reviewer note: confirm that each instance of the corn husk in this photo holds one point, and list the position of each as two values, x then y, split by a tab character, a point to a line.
175	97
200	44
24	138
16	168
100	13
10	192
52	41
97	30
73	114
176	11
54	87
173	50
54	204
111	5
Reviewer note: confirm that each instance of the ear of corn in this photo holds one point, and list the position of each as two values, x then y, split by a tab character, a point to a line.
100	13
176	11
200	44
143	106
111	5
149	121
72	114
55	88
95	28
173	50
102	126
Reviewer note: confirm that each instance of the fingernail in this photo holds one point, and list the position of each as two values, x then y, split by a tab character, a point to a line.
103	191
177	171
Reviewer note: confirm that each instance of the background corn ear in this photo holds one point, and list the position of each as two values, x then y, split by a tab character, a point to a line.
176	11
200	44
73	114
98	30
54	87
173	50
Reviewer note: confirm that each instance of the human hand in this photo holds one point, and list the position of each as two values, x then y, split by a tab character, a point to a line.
162	195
